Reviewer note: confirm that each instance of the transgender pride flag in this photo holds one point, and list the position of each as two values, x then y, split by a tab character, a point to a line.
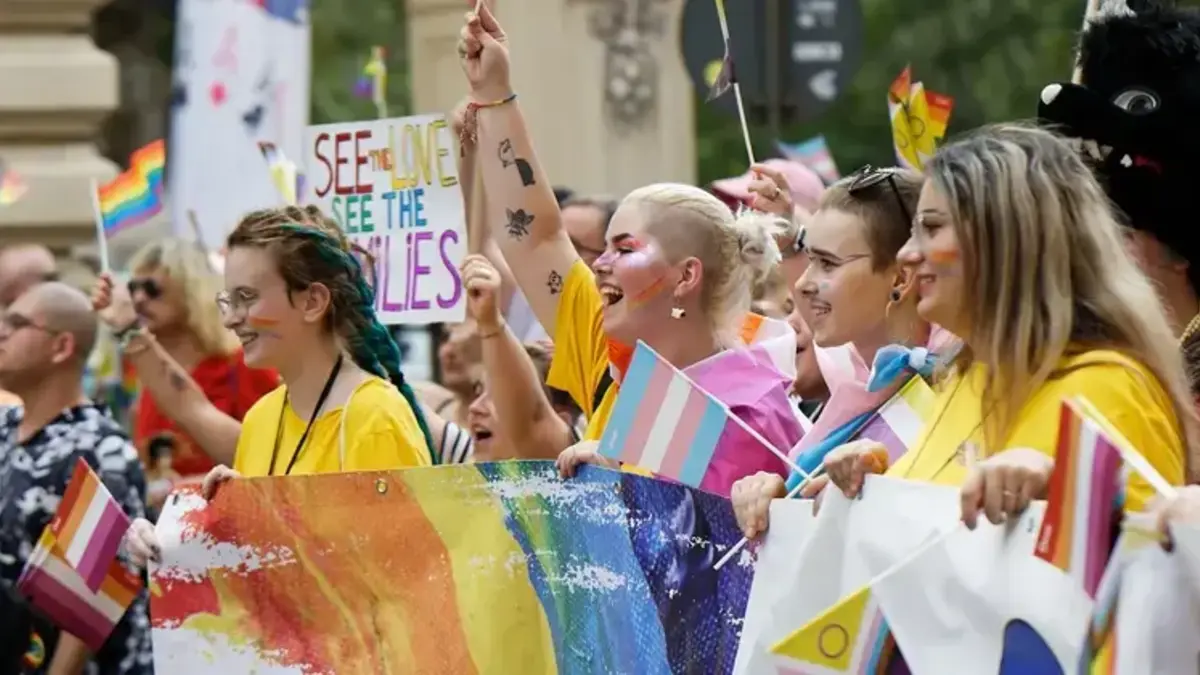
663	422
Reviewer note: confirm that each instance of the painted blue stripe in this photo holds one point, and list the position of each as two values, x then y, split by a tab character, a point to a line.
810	459
704	444
629	400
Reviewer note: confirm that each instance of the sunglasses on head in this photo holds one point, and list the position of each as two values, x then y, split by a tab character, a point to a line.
868	177
149	287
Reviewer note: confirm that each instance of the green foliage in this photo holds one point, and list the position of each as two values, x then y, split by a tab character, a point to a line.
993	56
342	36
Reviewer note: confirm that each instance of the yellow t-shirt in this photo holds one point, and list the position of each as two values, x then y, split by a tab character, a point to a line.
381	433
580	363
1121	389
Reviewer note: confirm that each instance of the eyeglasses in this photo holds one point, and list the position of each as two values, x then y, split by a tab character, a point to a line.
11	322
150	287
868	177
238	301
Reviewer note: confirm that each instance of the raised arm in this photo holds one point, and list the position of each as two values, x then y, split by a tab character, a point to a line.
521	208
516	389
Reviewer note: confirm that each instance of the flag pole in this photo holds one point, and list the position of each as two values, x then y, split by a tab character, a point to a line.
101	240
737	88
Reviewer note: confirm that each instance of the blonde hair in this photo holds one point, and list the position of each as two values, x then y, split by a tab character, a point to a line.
188	266
736	253
1043	250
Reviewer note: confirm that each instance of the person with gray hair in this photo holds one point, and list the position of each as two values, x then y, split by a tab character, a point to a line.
46	335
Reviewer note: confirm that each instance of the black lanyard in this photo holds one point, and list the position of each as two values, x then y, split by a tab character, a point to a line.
337	366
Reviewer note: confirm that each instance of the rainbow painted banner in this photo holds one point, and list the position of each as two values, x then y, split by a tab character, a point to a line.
489	568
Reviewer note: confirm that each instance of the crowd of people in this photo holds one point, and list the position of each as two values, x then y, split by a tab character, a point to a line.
1003	270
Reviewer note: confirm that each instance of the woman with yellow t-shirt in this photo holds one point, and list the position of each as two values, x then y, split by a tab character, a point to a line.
296	297
1017	251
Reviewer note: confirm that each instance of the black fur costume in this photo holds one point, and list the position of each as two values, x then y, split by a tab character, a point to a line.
1136	116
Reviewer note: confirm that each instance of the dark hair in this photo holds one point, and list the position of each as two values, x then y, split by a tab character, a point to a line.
559	399
888	227
606	205
310	248
160	445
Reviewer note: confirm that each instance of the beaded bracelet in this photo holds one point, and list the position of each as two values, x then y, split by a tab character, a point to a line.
470	126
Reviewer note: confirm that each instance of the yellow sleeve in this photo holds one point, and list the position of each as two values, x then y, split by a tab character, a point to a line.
1132	401
382	432
580	351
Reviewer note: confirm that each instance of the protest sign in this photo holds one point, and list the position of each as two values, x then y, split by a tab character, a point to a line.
496	568
392	186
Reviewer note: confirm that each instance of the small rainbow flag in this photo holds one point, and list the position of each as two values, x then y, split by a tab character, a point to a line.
850	637
136	194
662	422
12	186
372	83
73	575
1081	507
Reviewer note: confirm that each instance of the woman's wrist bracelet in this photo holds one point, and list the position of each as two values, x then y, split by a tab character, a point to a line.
470	127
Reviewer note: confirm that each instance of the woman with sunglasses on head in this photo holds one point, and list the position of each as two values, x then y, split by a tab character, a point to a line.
296	296
855	298
169	329
676	273
1017	251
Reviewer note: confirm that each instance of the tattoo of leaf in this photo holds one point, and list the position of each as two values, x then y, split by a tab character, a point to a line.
508	157
518	223
554	283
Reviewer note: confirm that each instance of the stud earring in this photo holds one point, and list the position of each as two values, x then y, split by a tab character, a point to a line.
677	313
895	295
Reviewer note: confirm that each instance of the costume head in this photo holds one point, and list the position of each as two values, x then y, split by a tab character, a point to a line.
1136	116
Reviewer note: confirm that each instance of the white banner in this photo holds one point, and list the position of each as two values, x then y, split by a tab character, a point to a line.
393	187
241	76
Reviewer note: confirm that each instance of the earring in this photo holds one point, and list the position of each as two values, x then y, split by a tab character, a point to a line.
677	313
895	295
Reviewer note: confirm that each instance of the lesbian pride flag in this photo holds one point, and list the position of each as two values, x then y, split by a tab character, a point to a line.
662	422
73	575
1082	503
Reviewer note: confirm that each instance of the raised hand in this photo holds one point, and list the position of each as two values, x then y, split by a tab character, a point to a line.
112	303
483	51
482	282
771	191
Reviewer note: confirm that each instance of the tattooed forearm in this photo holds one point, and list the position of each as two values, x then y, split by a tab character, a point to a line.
508	157
518	223
554	283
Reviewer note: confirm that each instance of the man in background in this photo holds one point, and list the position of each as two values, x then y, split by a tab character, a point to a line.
22	266
46	335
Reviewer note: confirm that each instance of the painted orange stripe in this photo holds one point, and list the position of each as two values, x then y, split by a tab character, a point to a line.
74	518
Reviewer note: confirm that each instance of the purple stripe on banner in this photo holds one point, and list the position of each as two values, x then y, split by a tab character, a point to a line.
878	430
647	415
67	610
102	544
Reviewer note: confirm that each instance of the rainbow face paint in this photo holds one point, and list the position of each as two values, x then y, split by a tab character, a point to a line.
263	325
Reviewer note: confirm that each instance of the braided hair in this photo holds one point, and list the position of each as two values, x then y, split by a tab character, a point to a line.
311	248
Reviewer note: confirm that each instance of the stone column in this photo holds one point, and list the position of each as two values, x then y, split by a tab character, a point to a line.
602	82
57	87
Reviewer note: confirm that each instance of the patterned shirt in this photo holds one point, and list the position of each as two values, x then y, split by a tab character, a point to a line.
33	479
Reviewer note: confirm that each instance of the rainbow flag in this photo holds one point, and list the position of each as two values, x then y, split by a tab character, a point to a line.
663	422
1083	493
73	575
813	153
136	194
850	637
12	186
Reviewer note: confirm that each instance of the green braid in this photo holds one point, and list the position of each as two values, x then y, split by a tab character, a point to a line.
371	346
